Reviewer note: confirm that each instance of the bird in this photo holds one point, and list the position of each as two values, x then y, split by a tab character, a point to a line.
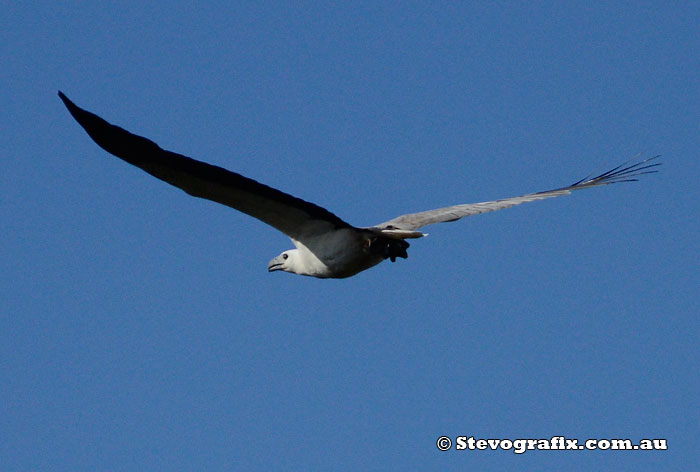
325	245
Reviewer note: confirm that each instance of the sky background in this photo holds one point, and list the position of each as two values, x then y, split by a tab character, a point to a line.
140	330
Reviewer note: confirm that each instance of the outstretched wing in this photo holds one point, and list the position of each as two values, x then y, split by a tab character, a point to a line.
627	172
293	216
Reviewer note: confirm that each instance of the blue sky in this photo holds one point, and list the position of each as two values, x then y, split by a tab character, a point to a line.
141	330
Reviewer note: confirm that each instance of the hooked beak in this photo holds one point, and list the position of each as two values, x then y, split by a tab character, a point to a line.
275	264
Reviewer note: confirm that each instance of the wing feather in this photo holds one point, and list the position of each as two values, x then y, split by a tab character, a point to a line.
293	216
627	172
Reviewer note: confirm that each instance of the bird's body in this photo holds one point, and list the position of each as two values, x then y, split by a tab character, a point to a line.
337	254
326	246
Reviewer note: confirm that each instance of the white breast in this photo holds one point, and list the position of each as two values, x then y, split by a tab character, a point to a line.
338	254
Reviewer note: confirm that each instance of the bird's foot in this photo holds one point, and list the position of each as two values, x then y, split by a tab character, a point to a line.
388	248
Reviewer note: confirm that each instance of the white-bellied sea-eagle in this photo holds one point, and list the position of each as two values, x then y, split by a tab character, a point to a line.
326	246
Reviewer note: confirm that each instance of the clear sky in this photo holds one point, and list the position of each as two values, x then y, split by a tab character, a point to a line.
140	329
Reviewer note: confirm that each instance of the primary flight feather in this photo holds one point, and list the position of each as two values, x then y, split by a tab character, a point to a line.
326	246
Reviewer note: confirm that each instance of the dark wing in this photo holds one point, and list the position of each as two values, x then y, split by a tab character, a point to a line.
293	216
626	172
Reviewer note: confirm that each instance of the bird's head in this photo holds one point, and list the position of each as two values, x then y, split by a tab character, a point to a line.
285	261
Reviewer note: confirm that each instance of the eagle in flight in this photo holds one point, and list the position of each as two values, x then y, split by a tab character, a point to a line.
326	246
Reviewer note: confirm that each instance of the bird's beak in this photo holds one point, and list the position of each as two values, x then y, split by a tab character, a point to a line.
275	264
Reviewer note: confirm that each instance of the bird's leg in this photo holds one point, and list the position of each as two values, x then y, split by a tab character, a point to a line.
388	248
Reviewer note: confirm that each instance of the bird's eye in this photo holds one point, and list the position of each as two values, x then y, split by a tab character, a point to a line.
285	256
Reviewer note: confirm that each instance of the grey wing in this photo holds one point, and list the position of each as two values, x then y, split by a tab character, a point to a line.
293	216
626	172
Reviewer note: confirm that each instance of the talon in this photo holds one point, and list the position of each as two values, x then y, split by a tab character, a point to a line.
387	248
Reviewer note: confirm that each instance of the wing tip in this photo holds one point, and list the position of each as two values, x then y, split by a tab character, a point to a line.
74	109
628	171
64	99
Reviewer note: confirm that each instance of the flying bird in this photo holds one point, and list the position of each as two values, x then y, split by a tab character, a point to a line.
326	246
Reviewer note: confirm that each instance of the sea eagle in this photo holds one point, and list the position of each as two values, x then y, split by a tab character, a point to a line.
326	246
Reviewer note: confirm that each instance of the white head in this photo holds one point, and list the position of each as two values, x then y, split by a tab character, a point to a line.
288	261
